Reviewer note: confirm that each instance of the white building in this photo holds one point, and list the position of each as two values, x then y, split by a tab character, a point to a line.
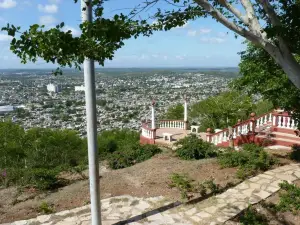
53	88
79	88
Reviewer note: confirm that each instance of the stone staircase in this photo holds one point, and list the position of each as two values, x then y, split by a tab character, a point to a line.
278	136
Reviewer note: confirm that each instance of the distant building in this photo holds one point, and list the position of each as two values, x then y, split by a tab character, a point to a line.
79	88
53	88
6	109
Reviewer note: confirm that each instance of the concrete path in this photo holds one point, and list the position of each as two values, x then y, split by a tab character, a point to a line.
158	210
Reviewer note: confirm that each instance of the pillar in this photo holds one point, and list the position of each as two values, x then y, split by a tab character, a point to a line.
185	114
153	115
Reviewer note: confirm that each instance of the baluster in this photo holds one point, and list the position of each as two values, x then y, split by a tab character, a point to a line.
238	130
261	121
250	126
274	120
293	124
225	136
266	118
270	118
279	121
284	121
288	124
220	137
234	133
257	123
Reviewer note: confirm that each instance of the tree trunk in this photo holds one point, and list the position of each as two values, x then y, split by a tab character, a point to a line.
287	62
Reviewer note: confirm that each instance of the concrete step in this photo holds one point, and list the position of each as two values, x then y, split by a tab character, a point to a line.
285	142
283	130
285	136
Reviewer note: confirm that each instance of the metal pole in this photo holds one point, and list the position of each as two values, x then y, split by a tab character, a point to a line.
91	118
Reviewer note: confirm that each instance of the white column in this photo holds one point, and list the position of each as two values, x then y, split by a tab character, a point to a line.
153	116
185	110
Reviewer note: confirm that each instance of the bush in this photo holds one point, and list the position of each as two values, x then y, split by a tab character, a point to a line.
295	154
188	187
129	155
252	217
290	198
112	140
192	147
45	208
249	160
35	157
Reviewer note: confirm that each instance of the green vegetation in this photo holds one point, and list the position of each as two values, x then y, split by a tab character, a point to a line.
192	147
45	208
261	75
250	160
37	156
122	149
252	217
188	187
295	154
174	113
289	199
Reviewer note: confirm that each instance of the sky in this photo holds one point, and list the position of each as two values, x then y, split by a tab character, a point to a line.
200	43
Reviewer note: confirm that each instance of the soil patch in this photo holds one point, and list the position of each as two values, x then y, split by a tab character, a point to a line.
146	179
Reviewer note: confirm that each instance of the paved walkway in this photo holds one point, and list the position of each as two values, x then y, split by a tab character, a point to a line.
158	210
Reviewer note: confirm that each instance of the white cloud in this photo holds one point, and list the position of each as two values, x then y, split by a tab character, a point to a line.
5	37
205	30
75	32
192	33
165	57
48	8
212	40
6	4
48	19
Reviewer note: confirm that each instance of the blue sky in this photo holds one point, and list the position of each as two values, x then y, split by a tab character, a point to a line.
200	43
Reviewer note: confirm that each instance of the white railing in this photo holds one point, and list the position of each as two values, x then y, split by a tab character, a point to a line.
284	121
179	124
148	133
237	130
264	119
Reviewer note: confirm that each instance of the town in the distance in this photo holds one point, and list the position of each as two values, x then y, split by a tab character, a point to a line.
37	98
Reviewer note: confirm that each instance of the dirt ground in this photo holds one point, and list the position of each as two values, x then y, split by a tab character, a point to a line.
146	179
274	218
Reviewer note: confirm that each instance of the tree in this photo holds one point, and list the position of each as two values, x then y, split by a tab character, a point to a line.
222	110
261	75
175	112
102	37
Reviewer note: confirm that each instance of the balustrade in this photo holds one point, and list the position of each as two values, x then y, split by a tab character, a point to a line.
172	124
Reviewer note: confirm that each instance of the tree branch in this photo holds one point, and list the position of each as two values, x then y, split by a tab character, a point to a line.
230	25
234	10
270	12
252	18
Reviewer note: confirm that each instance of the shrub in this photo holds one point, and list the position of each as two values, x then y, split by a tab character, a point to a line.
45	208
129	155
249	160
187	186
290	198
252	217
192	147
295	154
